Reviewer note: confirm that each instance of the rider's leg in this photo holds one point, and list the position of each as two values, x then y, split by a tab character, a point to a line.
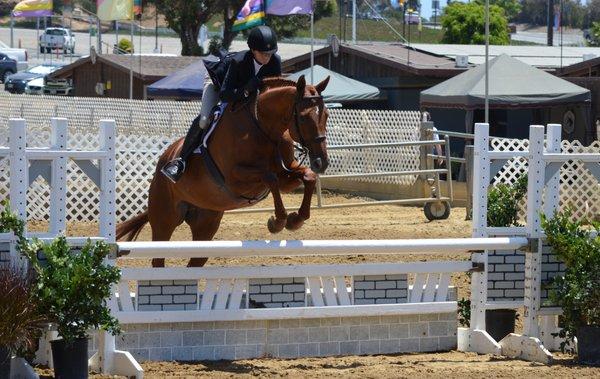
175	168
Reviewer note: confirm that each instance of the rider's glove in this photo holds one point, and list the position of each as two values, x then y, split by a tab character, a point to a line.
252	86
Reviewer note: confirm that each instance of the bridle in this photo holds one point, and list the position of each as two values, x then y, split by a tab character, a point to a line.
301	147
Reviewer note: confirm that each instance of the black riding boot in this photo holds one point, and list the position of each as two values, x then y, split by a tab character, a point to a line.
175	168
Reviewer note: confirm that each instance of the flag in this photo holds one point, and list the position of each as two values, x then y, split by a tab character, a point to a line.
289	7
112	10
137	7
33	8
251	14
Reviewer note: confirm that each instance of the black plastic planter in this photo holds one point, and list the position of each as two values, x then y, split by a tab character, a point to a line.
5	358
70	360
588	347
500	322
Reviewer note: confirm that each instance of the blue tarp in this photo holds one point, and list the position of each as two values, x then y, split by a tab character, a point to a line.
186	83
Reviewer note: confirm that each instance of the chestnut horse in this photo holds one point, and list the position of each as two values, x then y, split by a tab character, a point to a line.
252	148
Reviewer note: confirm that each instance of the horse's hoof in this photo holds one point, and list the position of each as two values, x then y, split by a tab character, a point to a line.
294	221
275	225
158	262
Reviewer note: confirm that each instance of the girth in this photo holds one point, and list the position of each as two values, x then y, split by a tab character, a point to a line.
219	179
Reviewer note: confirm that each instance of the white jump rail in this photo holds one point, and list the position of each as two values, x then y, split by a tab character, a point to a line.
190	249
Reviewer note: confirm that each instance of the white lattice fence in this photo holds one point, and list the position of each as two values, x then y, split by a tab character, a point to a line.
353	127
146	128
579	190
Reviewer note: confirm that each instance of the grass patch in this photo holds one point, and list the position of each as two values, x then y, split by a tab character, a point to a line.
372	30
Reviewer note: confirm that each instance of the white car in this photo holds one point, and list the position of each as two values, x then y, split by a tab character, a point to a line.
35	87
57	38
20	55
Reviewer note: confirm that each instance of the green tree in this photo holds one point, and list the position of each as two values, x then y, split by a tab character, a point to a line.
185	17
512	8
464	23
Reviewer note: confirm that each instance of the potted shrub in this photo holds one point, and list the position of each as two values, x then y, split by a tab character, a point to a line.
20	319
72	290
577	292
503	211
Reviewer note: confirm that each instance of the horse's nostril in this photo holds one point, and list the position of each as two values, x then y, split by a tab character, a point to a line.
318	163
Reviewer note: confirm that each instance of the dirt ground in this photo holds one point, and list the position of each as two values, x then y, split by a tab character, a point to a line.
377	222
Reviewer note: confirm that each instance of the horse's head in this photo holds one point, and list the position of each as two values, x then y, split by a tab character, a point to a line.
310	120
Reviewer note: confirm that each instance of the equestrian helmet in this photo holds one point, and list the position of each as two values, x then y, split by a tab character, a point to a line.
262	38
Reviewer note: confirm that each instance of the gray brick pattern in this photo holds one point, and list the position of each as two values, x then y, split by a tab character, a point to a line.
4	253
288	338
167	295
506	274
380	289
277	293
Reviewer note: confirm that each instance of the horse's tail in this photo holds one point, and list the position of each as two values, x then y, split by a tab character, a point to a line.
130	229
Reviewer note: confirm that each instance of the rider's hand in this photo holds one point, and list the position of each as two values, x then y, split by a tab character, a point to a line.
253	85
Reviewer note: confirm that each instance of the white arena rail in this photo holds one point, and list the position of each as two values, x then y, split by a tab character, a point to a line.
190	249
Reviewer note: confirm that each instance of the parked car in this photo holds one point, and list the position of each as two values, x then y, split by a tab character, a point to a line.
57	38
16	83
8	66
19	55
35	87
60	87
411	18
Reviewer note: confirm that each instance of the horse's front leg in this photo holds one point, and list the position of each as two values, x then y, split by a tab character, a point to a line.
296	219
276	223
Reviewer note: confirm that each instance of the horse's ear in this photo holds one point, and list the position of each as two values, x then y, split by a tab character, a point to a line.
321	86
300	87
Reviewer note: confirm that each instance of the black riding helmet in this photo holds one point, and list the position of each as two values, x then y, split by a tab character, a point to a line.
262	38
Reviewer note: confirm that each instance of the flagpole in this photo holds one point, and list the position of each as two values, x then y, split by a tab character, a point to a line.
354	22
131	62
312	43
487	65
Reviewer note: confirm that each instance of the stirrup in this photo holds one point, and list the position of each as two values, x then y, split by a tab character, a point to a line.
174	169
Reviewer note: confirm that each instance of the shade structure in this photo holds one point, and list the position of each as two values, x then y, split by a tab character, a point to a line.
340	88
513	84
186	83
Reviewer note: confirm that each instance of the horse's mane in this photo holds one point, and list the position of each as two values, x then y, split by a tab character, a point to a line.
269	83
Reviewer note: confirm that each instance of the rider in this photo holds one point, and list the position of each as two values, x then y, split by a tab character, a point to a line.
232	78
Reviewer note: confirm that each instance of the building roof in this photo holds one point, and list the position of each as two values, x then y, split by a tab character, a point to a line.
145	67
340	88
394	55
513	84
538	56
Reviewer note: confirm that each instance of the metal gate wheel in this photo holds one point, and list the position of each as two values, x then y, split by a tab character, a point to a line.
437	210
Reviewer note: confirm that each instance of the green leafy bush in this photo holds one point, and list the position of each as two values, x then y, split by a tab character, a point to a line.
125	46
464	312
503	203
577	292
73	288
464	23
9	222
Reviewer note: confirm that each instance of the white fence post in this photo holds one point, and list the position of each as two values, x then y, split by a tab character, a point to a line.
481	182
19	168
58	188
107	180
553	145
533	261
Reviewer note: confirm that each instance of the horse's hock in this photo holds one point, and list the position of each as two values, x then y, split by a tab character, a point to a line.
315	310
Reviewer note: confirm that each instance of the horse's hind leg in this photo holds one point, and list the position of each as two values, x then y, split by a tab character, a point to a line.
164	216
204	224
